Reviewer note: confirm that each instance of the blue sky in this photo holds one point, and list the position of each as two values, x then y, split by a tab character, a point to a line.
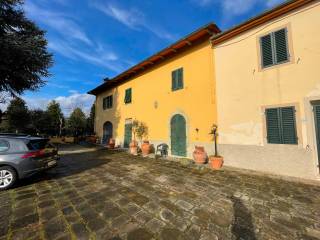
93	39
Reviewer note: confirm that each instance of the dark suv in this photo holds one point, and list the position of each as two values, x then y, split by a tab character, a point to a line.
22	155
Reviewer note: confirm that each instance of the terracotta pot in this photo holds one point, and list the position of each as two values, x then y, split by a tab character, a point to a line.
133	148
111	143
199	155
216	162
145	148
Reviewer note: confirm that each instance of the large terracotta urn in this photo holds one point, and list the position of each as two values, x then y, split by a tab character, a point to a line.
133	147
145	148
199	155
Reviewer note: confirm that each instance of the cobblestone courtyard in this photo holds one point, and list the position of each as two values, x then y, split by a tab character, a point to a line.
111	195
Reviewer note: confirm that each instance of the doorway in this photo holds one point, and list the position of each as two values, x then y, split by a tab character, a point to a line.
178	136
316	113
107	132
127	134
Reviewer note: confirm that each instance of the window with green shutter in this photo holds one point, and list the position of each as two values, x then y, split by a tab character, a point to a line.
177	79
274	48
128	96
281	125
107	102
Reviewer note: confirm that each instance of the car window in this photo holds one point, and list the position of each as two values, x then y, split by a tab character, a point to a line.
39	144
4	146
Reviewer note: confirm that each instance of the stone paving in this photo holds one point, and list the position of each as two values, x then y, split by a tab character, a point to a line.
111	195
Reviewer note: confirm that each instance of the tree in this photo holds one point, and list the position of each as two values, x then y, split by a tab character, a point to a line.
76	123
39	121
24	59
55	118
17	115
90	120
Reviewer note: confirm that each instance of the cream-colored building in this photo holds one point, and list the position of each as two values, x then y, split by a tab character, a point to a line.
268	91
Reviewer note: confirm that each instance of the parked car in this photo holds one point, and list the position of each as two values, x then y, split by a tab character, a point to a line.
22	156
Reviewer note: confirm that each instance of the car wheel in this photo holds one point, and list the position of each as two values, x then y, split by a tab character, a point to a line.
8	177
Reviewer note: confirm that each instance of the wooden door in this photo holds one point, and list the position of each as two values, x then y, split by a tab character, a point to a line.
178	136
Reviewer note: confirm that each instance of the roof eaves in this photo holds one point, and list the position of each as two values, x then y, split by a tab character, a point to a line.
211	28
265	16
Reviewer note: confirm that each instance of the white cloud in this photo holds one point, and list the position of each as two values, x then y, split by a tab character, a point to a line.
272	3
133	19
98	56
237	7
57	21
203	3
232	8
81	100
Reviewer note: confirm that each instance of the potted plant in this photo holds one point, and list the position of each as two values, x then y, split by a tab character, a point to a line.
215	161
142	132
133	146
199	155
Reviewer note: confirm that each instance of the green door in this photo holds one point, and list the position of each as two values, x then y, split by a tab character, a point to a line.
127	134
316	112
178	136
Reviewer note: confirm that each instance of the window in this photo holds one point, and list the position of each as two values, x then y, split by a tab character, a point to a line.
281	125
177	79
107	102
4	146
274	48
128	96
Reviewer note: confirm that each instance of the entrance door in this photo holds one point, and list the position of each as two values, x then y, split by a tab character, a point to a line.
316	112
127	134
107	132
178	136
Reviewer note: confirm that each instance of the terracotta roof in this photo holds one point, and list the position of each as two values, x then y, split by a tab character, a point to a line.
267	16
205	32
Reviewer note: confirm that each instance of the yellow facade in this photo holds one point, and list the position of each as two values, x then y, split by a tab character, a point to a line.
244	90
154	103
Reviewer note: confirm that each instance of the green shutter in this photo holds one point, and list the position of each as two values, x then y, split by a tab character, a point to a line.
281	45
111	101
266	51
173	81
288	125
273	125
104	103
180	78
128	96
177	79
281	125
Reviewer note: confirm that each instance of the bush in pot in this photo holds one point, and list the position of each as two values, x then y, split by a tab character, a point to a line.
142	132
215	161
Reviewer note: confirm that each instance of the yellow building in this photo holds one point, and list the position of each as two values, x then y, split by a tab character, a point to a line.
268	91
259	82
173	92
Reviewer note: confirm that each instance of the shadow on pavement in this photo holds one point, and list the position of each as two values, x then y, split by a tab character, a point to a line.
242	226
70	164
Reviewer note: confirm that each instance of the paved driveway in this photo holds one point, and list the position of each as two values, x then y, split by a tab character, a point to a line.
111	195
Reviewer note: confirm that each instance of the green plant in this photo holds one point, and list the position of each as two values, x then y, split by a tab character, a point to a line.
214	133
140	129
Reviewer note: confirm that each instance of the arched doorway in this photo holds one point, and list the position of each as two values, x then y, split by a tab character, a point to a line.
178	136
107	132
